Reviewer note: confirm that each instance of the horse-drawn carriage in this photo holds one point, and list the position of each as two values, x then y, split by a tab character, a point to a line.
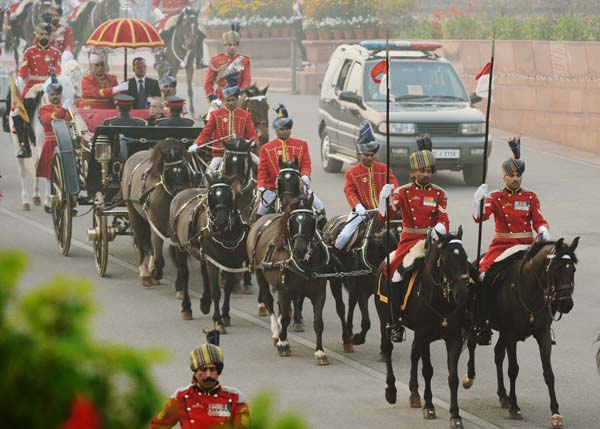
87	170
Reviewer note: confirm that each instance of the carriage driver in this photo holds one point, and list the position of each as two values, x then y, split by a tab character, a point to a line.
124	104
36	66
363	183
225	123
423	206
285	148
224	65
205	403
516	213
99	87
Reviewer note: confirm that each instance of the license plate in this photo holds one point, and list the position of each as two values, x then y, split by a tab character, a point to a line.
446	153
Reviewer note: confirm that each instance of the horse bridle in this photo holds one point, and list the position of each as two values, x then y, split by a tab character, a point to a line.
313	241
246	167
552	293
231	244
172	166
446	283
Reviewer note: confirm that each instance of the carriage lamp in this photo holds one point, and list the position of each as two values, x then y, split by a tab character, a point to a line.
102	151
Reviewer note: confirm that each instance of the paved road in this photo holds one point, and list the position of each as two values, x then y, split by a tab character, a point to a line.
349	392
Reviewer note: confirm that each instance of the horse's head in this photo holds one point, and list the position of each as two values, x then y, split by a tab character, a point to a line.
169	162
221	204
109	8
236	162
448	256
289	181
187	23
255	102
558	276
301	227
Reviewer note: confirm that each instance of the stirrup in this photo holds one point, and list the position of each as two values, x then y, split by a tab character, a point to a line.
24	152
395	332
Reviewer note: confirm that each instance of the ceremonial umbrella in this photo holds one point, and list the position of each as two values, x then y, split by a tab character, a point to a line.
125	33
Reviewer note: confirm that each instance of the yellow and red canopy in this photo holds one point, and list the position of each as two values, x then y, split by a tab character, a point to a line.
125	33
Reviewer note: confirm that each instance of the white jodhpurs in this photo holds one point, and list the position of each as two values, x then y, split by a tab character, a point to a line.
265	201
317	203
353	222
214	165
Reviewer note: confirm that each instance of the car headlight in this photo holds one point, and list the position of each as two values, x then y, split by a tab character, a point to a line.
476	128
397	128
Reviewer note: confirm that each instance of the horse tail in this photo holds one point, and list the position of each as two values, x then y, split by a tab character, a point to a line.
140	229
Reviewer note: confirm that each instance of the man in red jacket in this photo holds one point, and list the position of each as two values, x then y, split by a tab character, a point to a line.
423	206
363	184
223	66
517	214
224	124
205	404
99	87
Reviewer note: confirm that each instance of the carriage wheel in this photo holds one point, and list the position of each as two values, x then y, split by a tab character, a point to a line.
62	207
101	242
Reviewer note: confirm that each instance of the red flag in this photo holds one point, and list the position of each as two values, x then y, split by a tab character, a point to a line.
483	81
380	67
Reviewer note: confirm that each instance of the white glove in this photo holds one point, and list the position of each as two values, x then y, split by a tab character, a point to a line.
479	195
20	83
437	230
123	86
193	148
360	210
157	15
67	103
15	112
261	189
544	232
66	56
386	191
306	180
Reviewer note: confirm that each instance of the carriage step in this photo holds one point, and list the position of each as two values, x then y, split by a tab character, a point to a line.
115	212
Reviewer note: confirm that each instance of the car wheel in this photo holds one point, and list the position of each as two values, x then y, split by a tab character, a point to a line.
327	162
472	174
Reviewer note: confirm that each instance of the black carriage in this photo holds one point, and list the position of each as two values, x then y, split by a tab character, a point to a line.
88	173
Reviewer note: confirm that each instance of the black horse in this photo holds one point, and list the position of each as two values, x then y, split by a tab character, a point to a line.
254	101
434	310
528	292
366	251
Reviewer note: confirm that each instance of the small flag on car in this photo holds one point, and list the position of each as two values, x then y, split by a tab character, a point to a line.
483	81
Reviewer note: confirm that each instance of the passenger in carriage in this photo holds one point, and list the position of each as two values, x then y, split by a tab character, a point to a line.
99	87
168	86
156	110
124	103
142	87
517	214
285	148
175	105
363	184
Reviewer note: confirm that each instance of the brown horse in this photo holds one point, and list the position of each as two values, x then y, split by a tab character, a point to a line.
286	251
434	310
150	180
528	292
254	101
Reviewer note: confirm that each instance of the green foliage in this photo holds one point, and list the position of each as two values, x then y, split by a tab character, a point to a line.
462	27
263	417
47	358
568	28
536	28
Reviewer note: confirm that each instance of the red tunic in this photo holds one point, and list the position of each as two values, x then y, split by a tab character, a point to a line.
268	166
36	65
195	409
224	123
421	208
363	184
47	113
61	38
236	63
96	93
515	214
170	7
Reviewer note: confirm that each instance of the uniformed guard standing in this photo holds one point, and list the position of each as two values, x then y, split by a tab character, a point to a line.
175	105
363	184
223	65
204	404
517	214
124	103
423	206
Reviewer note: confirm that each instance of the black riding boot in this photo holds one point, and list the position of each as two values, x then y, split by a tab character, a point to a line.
396	327
484	331
23	137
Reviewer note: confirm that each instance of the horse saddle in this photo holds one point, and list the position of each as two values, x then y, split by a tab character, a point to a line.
504	264
333	229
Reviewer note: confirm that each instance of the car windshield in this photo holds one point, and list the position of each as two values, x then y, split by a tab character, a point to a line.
416	81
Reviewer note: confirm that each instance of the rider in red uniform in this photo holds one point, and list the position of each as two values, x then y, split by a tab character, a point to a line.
224	65
423	206
62	35
517	214
98	87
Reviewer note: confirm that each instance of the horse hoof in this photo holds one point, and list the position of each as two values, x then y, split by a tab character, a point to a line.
284	350
37	201
357	340
515	414
221	328
456	424
504	402
155	282
556	421
26	207
275	341
322	361
262	310
429	414
467	382
299	327
348	348
391	394
227	321
146	281
415	400
179	295
205	306
186	315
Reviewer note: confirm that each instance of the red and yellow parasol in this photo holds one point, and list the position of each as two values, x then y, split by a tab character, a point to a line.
125	33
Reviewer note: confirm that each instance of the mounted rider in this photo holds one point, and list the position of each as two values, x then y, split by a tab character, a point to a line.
423	208
517	214
228	64
62	35
98	87
285	148
38	62
363	184
225	123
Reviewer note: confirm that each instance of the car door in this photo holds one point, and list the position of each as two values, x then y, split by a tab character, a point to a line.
328	107
350	114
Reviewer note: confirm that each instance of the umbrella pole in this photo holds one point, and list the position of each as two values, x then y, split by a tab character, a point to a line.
125	67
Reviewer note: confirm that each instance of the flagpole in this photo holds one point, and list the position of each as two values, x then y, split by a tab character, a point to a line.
387	161
485	147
